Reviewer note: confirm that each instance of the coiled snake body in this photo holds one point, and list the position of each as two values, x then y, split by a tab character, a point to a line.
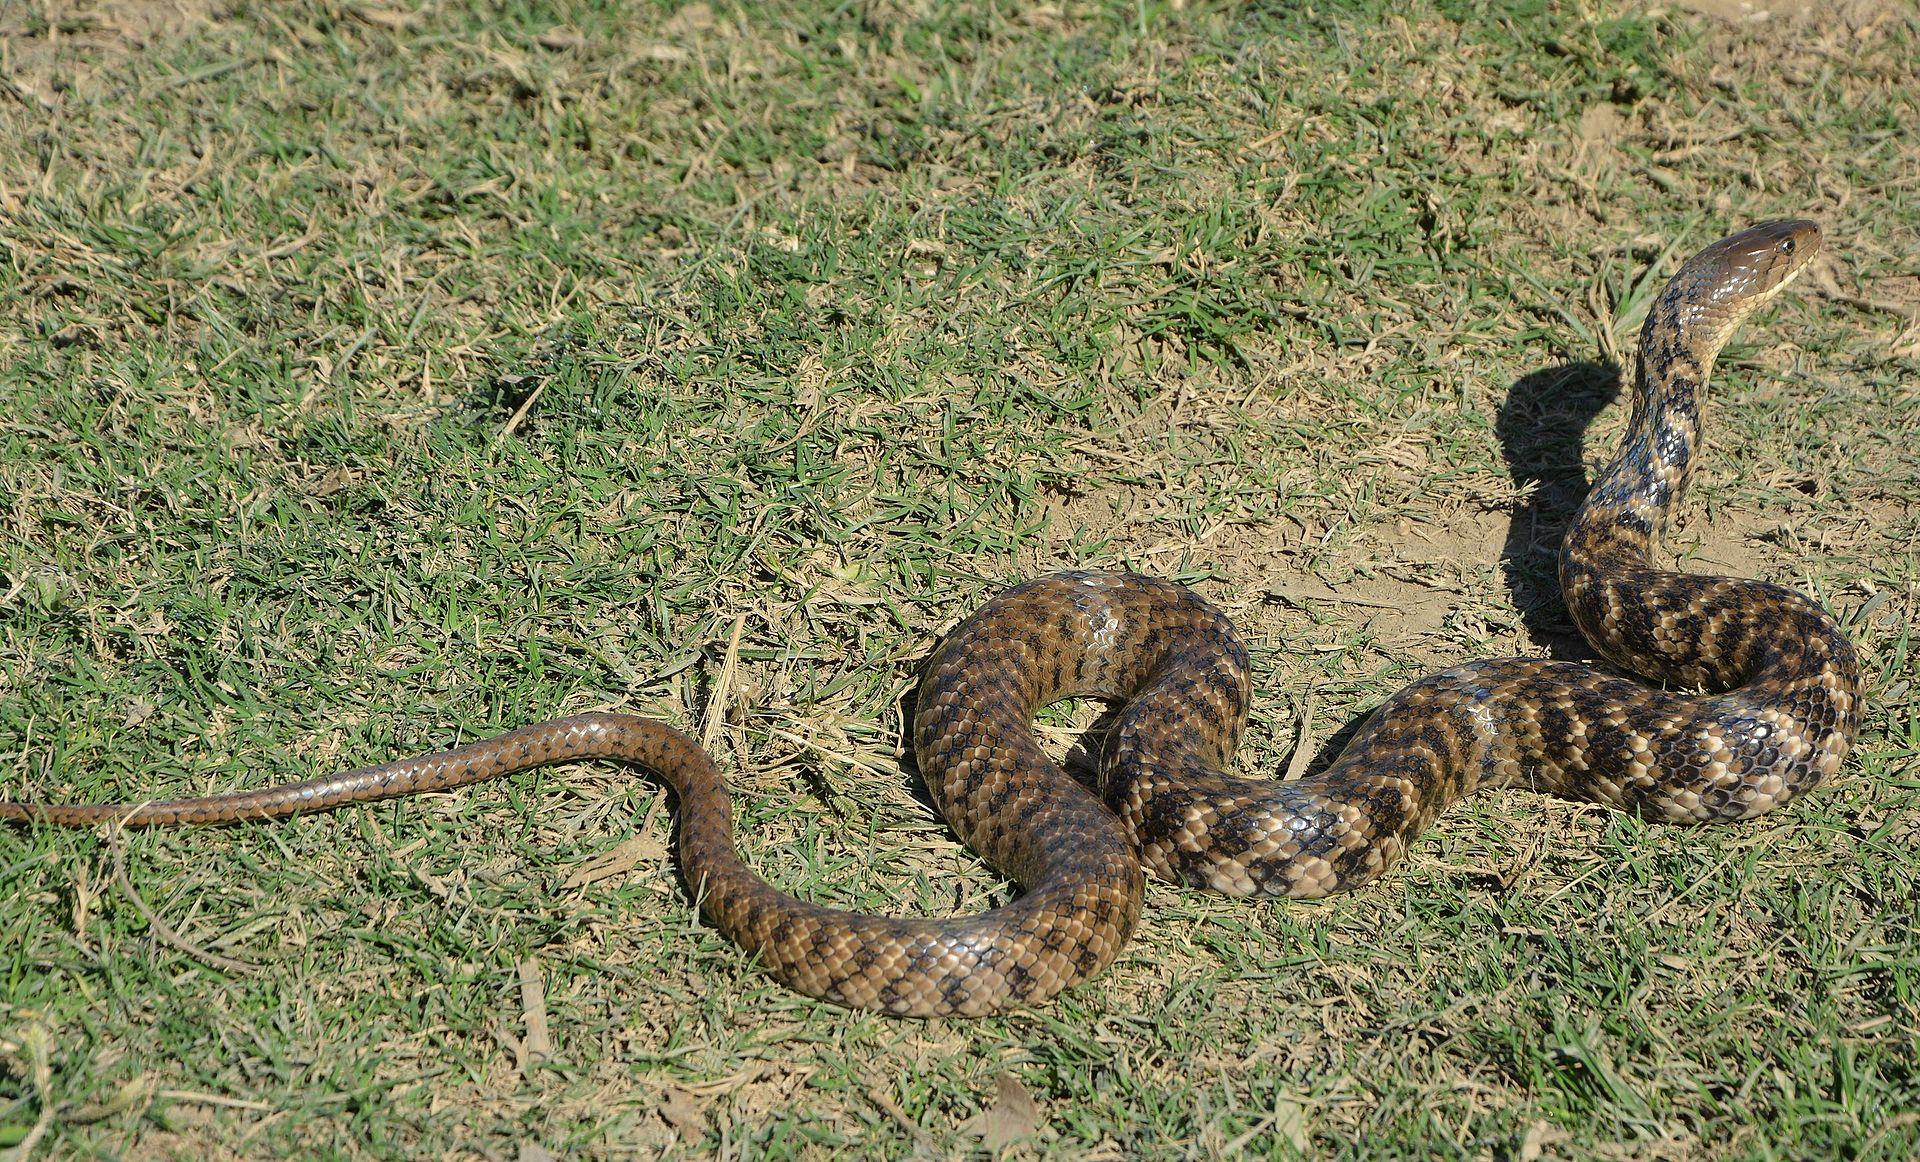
1783	716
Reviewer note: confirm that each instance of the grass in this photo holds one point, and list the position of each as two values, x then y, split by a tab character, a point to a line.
376	377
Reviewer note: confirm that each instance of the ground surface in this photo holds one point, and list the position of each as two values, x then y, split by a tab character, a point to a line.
374	377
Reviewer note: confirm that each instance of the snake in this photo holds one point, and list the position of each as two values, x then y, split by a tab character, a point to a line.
1735	696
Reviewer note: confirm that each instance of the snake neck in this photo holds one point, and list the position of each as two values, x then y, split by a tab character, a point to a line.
1626	512
1606	560
1652	621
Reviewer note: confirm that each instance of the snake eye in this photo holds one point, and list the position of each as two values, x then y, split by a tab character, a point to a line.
1786	247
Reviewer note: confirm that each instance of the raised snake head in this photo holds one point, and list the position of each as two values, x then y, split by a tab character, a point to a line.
1717	289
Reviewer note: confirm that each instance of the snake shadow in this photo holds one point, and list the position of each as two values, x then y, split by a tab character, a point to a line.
1541	429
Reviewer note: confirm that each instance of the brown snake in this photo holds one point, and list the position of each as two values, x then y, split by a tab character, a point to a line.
1786	682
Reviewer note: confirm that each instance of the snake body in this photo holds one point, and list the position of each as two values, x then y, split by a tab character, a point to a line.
1783	682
